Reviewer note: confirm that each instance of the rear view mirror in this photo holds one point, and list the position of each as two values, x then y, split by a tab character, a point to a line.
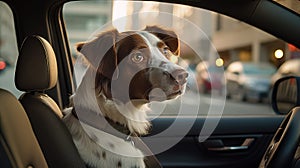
285	94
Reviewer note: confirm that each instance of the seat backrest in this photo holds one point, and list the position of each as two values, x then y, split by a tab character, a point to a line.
36	72
19	146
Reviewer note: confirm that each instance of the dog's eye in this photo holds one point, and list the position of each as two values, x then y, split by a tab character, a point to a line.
166	50
137	58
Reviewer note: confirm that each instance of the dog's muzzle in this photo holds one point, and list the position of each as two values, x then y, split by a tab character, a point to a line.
166	85
179	75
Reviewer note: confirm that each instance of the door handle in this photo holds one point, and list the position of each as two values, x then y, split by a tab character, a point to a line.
217	145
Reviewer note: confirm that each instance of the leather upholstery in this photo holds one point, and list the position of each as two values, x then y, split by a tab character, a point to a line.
17	136
36	67
55	140
44	114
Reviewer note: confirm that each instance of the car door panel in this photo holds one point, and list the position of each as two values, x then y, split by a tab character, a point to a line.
189	152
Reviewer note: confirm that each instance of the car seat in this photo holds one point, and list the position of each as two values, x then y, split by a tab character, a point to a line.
36	72
19	147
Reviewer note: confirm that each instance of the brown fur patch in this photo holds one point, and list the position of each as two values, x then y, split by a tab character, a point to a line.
127	43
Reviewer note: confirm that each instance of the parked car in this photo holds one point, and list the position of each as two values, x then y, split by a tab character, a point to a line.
221	133
288	68
246	80
209	77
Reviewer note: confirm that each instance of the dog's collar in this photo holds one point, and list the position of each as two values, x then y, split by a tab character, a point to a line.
104	124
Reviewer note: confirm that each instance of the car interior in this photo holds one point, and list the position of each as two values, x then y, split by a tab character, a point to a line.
256	134
43	113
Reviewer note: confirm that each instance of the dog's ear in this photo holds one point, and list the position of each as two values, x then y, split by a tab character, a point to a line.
167	36
101	53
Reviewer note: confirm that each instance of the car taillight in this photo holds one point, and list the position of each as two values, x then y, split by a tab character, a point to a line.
2	65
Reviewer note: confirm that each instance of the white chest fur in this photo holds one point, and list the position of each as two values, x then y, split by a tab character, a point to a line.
99	149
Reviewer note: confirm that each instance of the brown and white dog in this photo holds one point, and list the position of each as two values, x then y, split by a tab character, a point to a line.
127	70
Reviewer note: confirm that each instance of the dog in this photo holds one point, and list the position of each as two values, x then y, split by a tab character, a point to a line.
127	71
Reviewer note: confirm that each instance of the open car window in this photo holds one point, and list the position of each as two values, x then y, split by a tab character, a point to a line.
208	40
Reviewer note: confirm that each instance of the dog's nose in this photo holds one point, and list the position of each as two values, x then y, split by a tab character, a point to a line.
180	75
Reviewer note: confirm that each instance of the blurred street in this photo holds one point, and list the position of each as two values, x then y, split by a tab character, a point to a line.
192	103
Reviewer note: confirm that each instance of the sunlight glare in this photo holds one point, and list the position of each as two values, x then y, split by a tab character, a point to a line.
119	19
219	62
278	53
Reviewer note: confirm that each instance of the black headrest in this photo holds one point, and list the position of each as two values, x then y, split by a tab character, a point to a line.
36	68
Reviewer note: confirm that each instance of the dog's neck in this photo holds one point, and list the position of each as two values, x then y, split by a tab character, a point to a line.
92	118
132	115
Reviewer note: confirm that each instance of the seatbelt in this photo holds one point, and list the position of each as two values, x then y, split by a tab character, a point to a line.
150	160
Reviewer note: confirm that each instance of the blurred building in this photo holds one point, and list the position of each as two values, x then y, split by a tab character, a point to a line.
205	35
251	44
193	26
236	40
233	39
83	18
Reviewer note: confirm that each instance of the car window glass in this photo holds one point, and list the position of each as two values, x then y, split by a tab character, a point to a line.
205	36
263	69
8	49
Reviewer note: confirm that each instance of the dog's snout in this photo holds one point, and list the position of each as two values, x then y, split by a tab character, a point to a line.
180	75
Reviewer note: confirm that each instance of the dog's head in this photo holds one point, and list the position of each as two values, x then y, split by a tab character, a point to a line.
136	64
